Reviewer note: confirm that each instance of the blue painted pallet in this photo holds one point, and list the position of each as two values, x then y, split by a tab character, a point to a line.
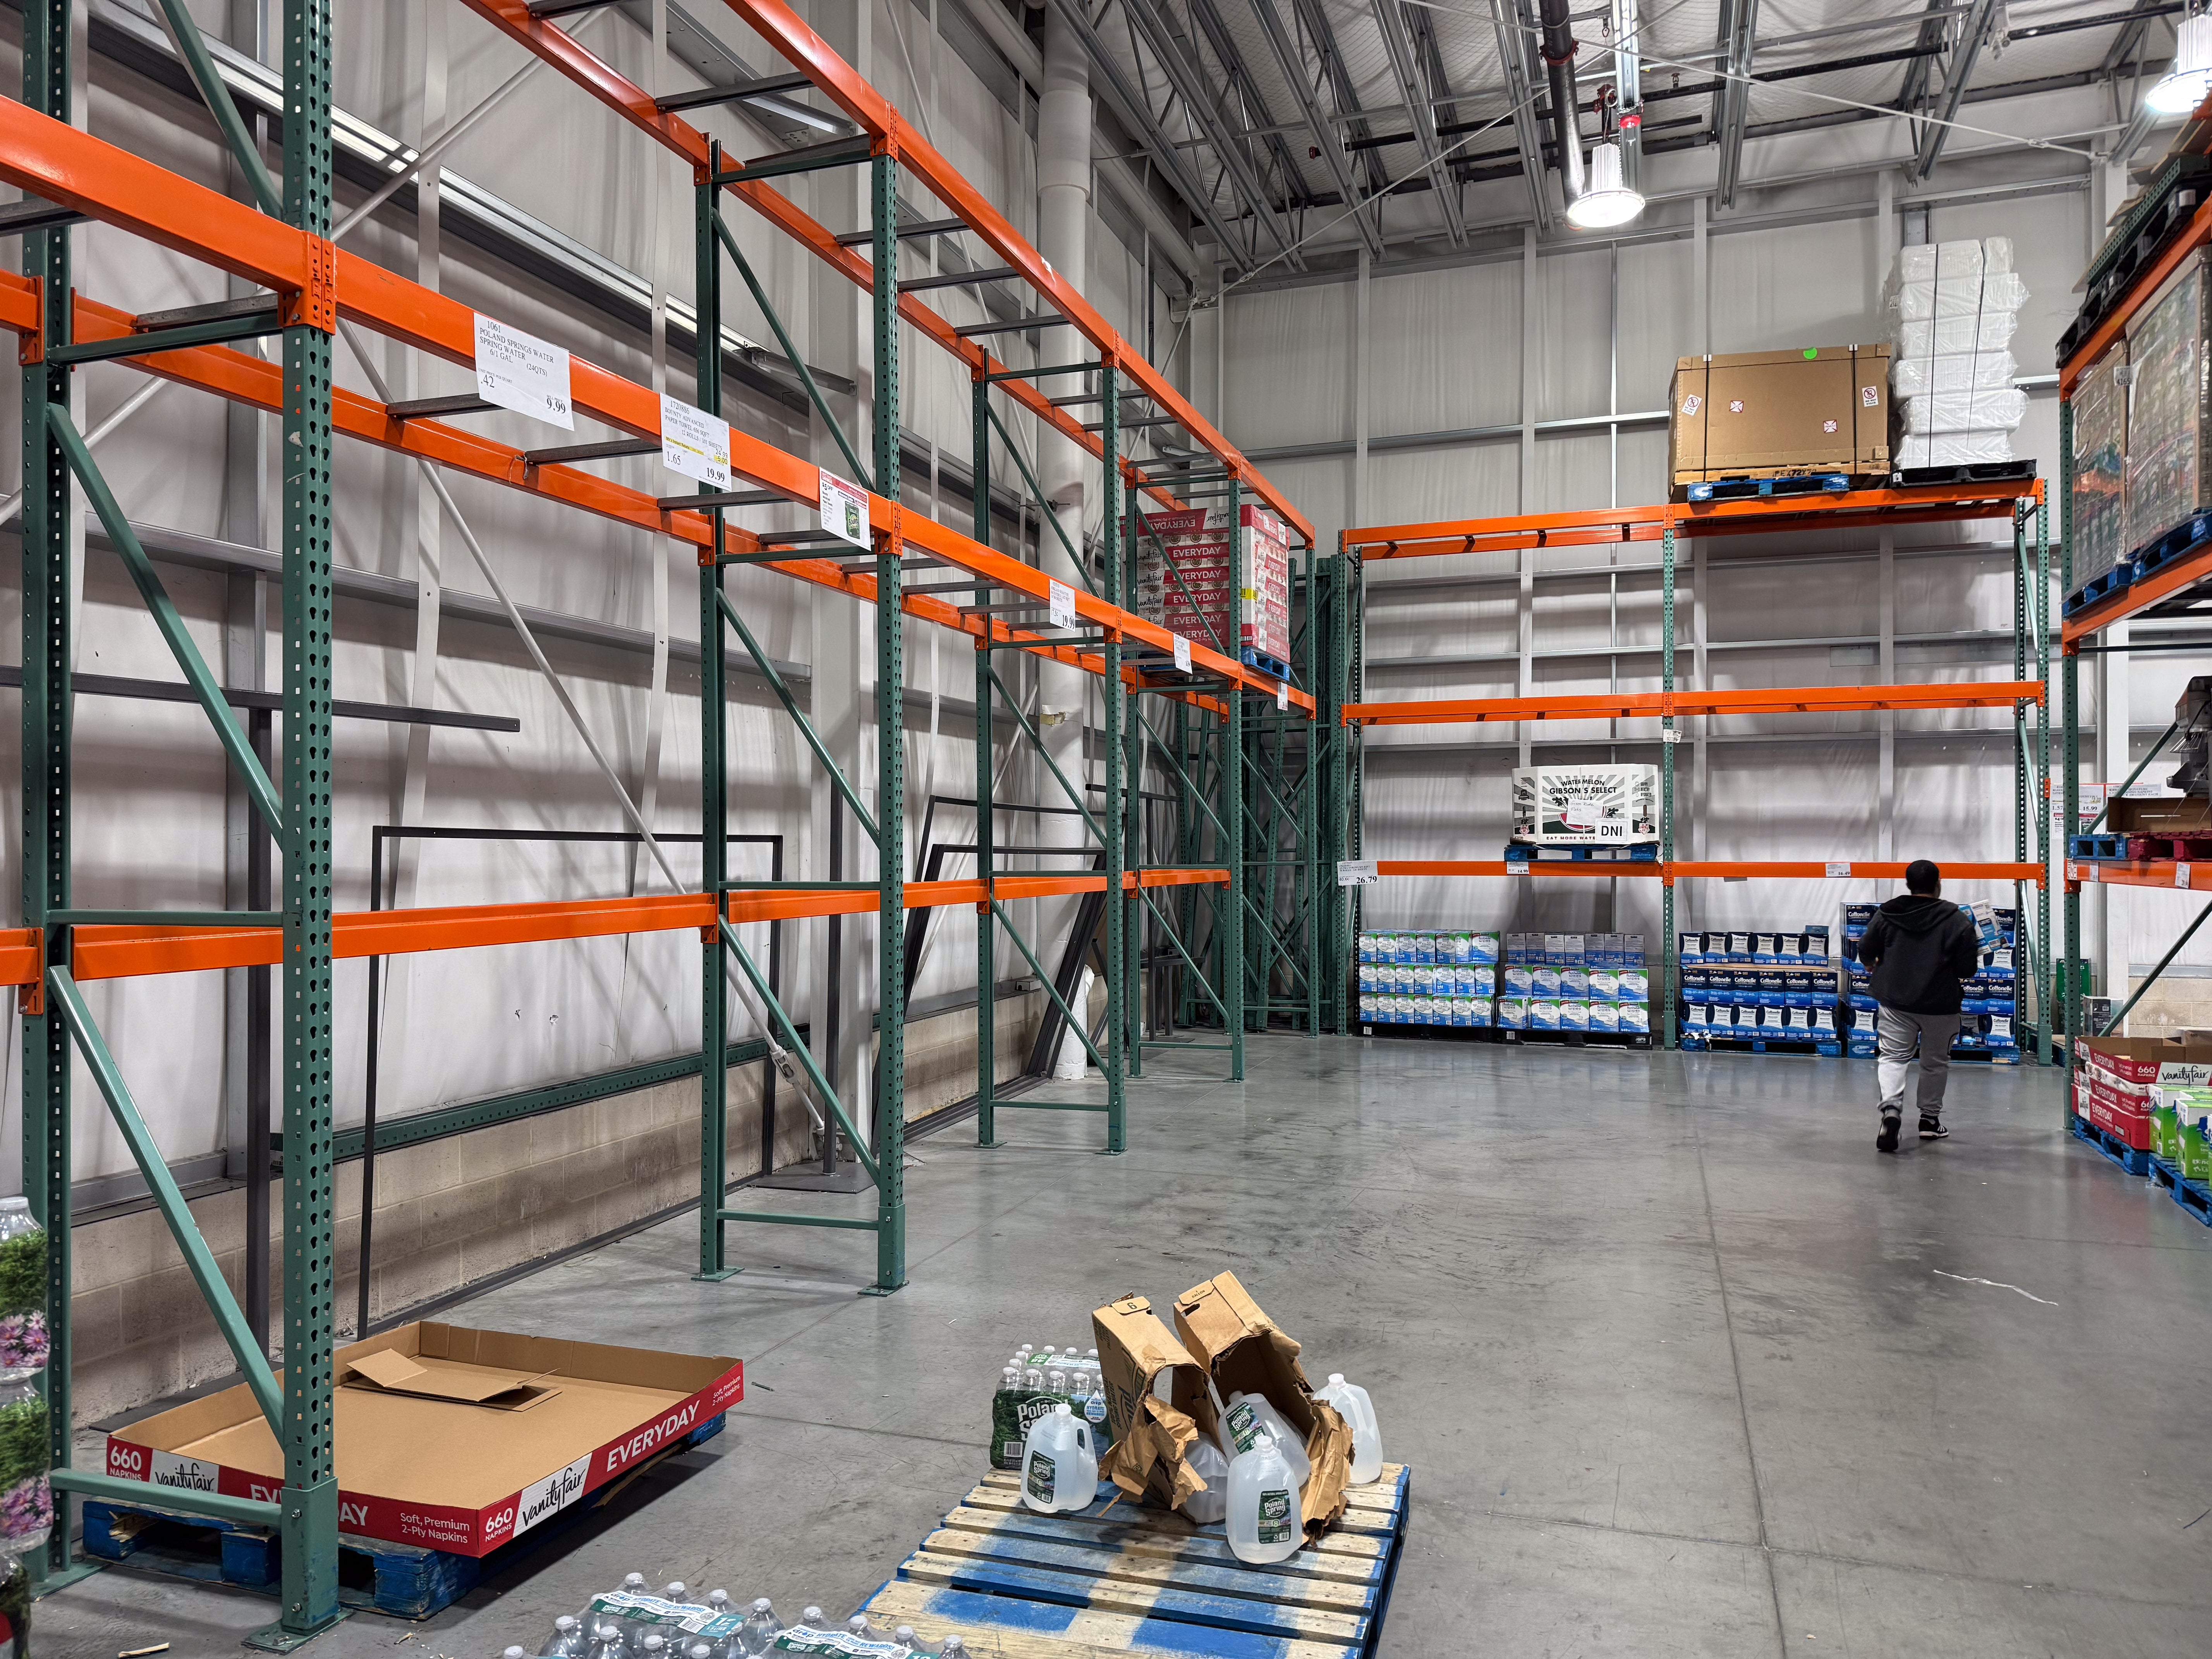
1265	663
2096	847
2194	1196
1832	1050
2177	542
1795	484
2096	587
2135	1160
1121	1577
1640	853
404	1580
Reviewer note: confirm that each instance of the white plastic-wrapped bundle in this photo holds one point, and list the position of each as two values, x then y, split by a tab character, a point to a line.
1953	448
1959	296
1952	371
1986	409
1951	336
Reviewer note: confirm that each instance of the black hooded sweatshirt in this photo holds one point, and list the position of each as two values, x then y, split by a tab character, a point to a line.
1920	948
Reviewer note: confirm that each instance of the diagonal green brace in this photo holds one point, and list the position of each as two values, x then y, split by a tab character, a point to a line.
1028	731
1080	1027
861	474
1044	508
186	34
170	1201
776	681
165	618
797	1044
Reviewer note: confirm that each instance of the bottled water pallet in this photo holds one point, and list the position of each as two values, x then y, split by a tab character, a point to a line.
1118	1579
2194	1196
1793	483
2135	1160
402	1580
1639	852
1762	1045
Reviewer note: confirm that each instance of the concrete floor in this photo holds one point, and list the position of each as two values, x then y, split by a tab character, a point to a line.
1681	1365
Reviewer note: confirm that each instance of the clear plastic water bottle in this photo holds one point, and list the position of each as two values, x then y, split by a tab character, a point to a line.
1055	1380
905	1640
761	1627
700	1651
718	1602
1358	1409
811	1617
857	1628
1265	1522
567	1641
514	1653
954	1648
1010	1379
607	1642
1033	1376
652	1645
675	1590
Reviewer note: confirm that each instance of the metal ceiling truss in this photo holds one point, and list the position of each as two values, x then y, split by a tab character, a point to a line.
1958	69
1528	134
1292	63
1297	193
1405	64
1204	101
1349	110
1732	101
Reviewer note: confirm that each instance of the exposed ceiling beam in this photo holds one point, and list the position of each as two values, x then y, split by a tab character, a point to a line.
1732	103
1513	58
1138	113
1957	71
1348	108
1261	122
1294	65
1204	102
1391	20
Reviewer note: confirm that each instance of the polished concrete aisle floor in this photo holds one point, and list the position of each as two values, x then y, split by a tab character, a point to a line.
1681	1365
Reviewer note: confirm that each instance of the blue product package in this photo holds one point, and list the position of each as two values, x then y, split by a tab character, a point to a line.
1483	948
1772	992
1545	982
1999	1032
1604	985
1632	985
1574	1016
1574	984
1739	947
1518	980
1693	948
1697	1018
1604	1016
1762	948
1513	1013
1544	1014
1696	986
1425	949
1485	983
1824	1022
1635	1017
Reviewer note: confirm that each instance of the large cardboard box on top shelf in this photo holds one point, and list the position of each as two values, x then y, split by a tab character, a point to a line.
1243	1350
1823	409
451	1439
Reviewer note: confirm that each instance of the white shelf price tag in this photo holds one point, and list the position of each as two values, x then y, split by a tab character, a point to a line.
1282	695
844	509
694	443
1182	654
1517	866
2181	875
1356	872
1061	600
1839	872
522	372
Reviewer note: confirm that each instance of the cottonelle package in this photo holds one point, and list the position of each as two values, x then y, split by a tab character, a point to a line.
1157	1405
1243	1351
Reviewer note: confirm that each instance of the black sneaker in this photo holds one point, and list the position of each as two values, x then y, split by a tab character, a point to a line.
1887	1140
1932	1128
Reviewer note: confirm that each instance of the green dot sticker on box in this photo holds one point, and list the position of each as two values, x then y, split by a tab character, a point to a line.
1811	352
1041	1478
1274	1517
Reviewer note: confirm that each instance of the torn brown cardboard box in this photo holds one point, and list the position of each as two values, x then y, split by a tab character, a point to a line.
1152	1435
455	1439
1243	1350
1822	408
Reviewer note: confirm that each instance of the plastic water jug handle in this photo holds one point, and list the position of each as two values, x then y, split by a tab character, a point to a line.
1083	1437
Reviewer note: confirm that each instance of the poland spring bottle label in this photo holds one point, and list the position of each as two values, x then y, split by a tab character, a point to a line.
1041	1478
1274	1517
1243	1423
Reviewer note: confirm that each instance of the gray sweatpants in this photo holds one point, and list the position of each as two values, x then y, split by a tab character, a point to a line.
1895	1033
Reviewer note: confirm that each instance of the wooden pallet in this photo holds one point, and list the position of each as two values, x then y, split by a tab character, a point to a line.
2135	1160
1120	1578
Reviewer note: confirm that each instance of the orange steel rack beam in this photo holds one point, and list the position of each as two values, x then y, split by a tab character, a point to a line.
2164	583
807	53
1755	870
1789	700
1763	516
2176	877
118	952
71	168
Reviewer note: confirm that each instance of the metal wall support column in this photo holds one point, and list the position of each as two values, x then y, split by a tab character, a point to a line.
891	752
2070	1005
987	973
1236	968
310	1497
1667	739
47	508
713	762
1111	820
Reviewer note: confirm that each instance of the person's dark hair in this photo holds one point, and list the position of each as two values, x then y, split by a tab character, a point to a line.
1921	876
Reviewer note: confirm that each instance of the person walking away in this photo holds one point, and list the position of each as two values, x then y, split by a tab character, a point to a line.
1921	949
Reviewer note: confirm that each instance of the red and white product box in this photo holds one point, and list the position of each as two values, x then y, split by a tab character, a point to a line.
436	1461
1184	578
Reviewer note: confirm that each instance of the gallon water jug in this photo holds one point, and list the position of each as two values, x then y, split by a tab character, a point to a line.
1352	1405
1207	1507
1250	1414
1059	1463
1266	1522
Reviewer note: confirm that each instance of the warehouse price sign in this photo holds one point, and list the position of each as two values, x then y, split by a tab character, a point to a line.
519	372
1356	872
844	509
694	443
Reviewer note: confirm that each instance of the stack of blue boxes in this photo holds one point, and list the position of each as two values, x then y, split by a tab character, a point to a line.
1775	987
1990	1014
1575	982
1429	976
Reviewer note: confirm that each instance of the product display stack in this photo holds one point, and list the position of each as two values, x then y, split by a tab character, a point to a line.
1184	581
1759	987
1954	308
1428	977
1575	984
1988	1023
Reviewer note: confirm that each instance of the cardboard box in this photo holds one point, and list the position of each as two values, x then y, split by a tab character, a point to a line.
1824	409
2148	1060
1586	806
448	1438
1153	1433
1243	1351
